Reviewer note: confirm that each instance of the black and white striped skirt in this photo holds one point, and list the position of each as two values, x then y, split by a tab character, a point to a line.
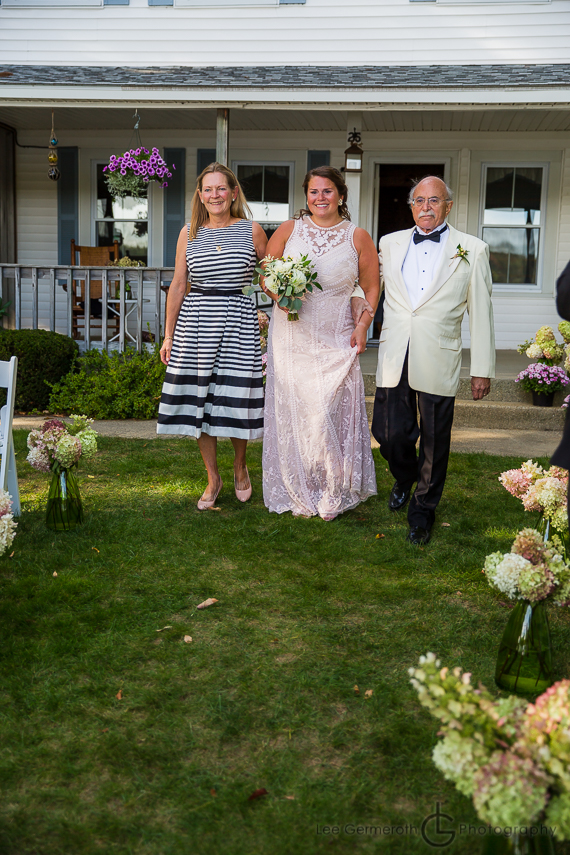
214	382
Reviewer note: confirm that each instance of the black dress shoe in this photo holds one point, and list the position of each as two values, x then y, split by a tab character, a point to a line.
398	497
418	536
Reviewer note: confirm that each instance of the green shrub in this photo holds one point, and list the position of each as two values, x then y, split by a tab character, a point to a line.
111	386
43	359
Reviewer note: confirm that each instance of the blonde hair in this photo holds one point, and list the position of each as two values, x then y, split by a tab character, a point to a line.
239	209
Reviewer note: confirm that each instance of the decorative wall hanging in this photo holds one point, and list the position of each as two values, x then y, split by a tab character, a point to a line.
53	171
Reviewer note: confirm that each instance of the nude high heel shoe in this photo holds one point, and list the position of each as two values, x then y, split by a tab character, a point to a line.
204	505
243	495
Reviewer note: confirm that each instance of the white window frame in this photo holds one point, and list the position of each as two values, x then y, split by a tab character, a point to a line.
95	219
49	4
505	164
259	162
483	2
221	3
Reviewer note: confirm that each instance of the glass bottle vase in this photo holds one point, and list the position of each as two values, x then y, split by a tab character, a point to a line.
524	661
64	508
519	844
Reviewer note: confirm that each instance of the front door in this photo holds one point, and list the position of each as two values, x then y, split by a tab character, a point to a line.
394	212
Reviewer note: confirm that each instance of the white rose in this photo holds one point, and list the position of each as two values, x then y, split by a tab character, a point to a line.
272	283
298	280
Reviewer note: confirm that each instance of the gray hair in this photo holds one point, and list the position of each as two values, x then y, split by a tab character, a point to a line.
448	190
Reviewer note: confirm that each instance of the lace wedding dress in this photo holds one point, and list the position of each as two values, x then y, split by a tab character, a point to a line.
316	447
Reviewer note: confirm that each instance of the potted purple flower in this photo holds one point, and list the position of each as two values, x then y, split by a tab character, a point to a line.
543	381
130	173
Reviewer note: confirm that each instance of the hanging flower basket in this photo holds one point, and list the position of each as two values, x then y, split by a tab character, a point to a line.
130	173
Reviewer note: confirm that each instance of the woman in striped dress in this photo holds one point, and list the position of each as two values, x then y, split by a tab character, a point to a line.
214	385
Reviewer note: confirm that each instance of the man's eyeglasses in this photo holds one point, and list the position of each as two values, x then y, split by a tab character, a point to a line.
432	201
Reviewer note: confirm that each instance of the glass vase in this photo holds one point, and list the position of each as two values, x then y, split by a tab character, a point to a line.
64	508
519	844
524	661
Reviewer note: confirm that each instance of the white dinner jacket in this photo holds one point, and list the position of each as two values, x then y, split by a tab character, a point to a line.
432	331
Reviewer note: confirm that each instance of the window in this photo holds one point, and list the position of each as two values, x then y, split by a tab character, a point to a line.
125	220
513	222
268	190
54	4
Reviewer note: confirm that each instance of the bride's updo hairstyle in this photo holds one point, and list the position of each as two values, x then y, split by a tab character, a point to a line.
337	179
239	209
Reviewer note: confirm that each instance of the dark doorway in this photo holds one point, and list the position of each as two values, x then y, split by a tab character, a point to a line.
394	212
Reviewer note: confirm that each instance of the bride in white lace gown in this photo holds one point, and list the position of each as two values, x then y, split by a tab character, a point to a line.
316	448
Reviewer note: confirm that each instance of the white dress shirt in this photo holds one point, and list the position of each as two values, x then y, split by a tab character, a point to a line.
420	264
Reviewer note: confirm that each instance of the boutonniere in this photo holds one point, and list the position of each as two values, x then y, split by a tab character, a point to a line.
461	253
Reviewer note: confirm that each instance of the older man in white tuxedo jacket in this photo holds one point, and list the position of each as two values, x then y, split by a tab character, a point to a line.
431	275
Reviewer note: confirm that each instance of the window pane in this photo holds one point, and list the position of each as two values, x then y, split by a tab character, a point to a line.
269	212
512	196
251	180
120	209
132	237
513	255
276	184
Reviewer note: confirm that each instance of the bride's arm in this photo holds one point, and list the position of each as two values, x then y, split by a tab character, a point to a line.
369	281
275	249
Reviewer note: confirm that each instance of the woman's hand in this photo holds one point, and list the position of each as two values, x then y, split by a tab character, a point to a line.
358	338
165	349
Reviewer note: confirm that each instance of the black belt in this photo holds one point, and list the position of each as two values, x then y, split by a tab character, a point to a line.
216	292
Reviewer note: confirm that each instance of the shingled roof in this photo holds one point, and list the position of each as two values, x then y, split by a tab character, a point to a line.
297	77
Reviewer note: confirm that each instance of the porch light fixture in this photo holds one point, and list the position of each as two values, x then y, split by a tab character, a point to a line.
353	154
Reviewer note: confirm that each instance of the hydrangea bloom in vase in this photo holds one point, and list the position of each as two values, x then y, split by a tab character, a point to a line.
7	524
56	448
543	490
532	573
511	757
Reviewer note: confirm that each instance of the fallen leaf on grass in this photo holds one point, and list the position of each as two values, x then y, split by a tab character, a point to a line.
257	794
91	476
94	548
445	525
105	730
11	555
356	690
187	639
368	693
145	445
163	628
209	602
380	535
213	792
291	798
119	695
54	573
507	605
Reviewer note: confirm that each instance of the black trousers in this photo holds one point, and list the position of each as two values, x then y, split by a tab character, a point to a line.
395	427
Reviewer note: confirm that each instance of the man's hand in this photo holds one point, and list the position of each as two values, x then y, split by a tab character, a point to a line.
358	306
480	386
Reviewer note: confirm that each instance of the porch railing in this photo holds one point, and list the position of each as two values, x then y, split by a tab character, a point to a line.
42	297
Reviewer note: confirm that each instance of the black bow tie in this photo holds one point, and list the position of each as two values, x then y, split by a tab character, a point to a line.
434	236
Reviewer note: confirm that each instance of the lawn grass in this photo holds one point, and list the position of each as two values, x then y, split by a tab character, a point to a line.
263	696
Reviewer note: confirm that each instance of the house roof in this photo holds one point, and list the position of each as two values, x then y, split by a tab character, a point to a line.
431	77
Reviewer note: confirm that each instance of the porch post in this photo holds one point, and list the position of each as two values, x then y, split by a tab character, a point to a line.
222	135
353	179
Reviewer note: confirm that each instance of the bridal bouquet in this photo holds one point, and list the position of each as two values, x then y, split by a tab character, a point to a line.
533	570
58	446
539	489
511	757
290	279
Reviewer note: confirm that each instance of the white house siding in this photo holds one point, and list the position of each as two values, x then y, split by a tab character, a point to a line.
517	313
326	32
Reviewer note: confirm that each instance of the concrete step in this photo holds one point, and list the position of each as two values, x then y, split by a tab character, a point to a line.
499	415
501	390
